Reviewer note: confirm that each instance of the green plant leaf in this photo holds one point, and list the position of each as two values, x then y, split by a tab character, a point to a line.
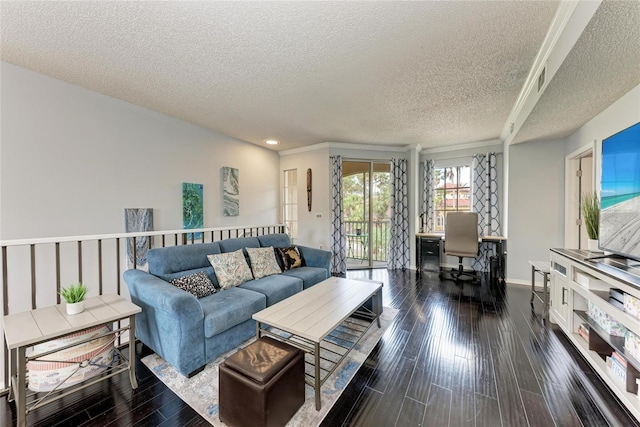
74	293
590	208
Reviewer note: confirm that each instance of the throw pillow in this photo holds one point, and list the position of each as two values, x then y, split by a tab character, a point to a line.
197	284
263	262
230	268
291	257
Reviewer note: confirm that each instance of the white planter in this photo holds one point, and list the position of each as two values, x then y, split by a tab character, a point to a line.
592	245
75	308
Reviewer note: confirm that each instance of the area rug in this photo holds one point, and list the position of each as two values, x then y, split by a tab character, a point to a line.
201	391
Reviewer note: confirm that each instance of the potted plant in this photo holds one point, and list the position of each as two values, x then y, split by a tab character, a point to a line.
590	207
74	296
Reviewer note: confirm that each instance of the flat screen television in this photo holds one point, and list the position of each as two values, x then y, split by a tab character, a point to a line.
620	193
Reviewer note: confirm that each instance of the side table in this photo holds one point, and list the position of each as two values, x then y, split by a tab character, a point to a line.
543	268
26	329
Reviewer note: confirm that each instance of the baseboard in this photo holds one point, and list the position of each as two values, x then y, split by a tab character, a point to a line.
518	282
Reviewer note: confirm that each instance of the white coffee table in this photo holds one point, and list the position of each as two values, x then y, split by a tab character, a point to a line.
308	317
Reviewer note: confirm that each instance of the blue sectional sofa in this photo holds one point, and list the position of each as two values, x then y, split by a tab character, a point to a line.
189	332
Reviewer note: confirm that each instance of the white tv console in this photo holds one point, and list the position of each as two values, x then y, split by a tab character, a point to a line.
569	301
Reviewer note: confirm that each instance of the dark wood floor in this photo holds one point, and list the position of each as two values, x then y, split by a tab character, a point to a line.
456	355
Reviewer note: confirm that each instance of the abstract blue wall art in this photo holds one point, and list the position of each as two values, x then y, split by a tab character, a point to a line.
230	191
192	208
138	219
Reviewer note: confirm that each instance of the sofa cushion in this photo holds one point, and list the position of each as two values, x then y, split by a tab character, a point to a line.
290	257
278	240
275	288
309	275
231	269
263	262
224	310
197	284
174	259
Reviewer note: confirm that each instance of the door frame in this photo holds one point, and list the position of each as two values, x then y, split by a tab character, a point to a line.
573	189
369	211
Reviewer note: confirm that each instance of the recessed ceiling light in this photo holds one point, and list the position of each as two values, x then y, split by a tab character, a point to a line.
271	141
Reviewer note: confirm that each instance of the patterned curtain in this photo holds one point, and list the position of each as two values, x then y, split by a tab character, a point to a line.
338	237
486	204
427	195
399	221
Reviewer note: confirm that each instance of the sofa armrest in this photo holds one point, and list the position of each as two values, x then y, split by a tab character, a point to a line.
152	291
171	322
316	257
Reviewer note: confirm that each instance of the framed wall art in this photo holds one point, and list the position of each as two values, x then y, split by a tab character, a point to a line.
192	207
230	191
138	219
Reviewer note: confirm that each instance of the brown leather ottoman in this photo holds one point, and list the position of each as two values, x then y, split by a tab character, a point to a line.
262	384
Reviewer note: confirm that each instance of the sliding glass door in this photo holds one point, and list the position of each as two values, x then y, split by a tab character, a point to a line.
365	201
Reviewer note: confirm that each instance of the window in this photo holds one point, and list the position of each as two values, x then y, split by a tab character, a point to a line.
290	202
452	193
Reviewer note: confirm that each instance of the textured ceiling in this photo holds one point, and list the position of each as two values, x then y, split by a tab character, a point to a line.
603	65
393	73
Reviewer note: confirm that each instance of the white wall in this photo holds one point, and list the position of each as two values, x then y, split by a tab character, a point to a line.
312	231
72	160
536	204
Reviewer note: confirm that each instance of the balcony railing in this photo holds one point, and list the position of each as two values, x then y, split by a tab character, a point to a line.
359	236
34	270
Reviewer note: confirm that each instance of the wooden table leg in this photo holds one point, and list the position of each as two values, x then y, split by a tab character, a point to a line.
378	305
12	372
21	387
132	352
533	284
545	312
317	379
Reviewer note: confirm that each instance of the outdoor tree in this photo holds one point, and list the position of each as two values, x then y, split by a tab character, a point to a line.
382	195
355	204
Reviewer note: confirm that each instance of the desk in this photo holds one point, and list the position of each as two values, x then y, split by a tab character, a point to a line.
433	254
23	330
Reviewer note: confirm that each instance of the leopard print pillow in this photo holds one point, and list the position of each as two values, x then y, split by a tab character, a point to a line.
197	284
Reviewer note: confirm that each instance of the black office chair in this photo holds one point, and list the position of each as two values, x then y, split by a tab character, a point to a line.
461	240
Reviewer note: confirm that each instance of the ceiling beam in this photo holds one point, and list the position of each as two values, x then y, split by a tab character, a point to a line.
568	23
